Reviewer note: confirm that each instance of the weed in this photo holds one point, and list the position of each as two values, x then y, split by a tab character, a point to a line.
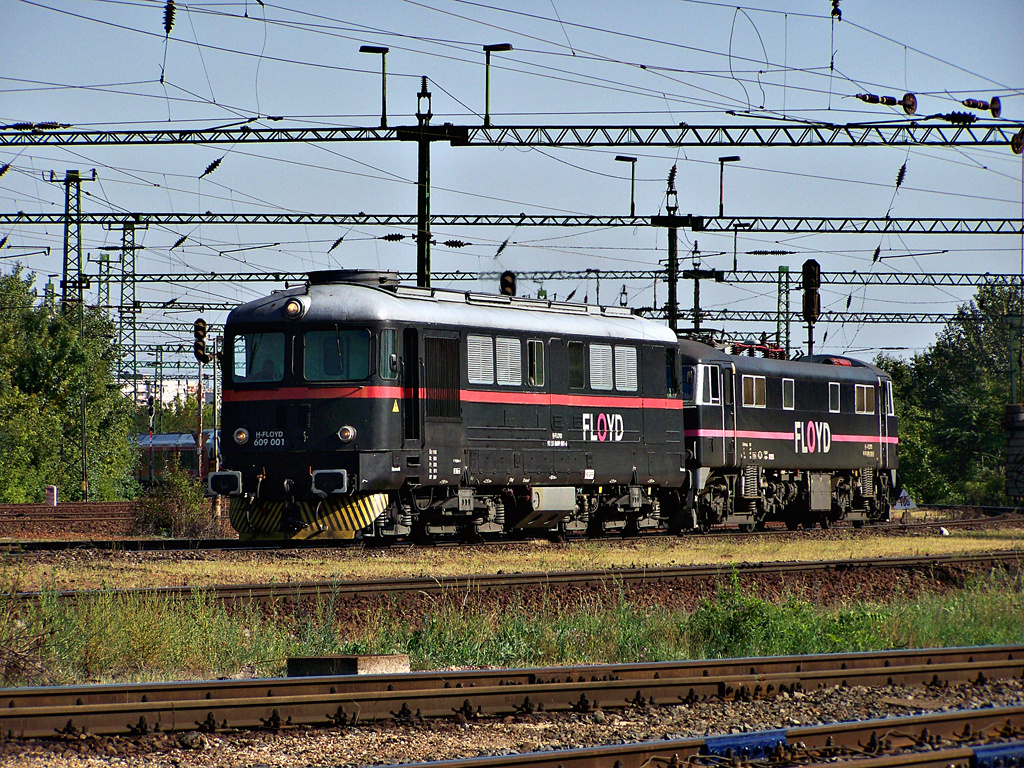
176	507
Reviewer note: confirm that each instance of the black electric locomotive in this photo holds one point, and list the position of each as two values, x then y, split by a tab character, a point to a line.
803	441
358	405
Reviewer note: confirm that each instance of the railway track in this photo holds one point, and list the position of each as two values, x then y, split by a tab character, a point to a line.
275	704
988	738
486	582
28	546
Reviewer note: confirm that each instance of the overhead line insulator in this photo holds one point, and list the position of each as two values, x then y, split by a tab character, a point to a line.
908	101
993	106
168	17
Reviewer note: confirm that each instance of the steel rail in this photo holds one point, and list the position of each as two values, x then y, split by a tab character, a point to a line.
850	746
344	701
744	670
592	578
1008	515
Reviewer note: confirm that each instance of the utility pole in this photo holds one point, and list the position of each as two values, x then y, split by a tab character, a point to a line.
128	308
697	274
673	222
423	134
672	205
73	288
73	284
782	318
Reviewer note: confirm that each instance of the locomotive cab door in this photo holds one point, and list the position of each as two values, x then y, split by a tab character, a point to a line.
884	406
412	426
729	413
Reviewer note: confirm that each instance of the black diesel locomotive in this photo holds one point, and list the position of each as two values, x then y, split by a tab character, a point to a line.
358	405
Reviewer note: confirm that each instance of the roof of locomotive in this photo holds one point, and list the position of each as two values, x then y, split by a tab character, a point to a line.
360	302
812	367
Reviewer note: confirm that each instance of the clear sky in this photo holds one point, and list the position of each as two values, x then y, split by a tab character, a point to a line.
107	64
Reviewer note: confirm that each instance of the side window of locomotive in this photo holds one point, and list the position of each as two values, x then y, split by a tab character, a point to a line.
577	366
480	359
709	385
672	375
865	399
600	366
890	406
510	361
754	392
833	397
389	353
727	386
788	395
689	383
336	355
257	357
535	363
625	369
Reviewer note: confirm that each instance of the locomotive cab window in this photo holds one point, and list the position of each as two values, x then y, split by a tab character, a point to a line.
709	385
865	399
535	363
890	406
788	395
336	355
672	374
833	397
577	366
389	353
754	392
689	388
257	357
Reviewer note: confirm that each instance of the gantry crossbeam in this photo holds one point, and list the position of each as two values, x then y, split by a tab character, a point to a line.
775	134
786	224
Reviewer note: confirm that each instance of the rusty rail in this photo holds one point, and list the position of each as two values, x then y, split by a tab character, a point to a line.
1012	559
272	703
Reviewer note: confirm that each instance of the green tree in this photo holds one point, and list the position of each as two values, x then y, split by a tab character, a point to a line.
950	401
48	359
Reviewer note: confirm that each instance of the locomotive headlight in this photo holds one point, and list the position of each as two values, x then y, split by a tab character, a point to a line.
347	434
294	308
241	435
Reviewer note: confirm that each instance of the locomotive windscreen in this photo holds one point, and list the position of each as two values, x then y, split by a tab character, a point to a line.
336	355
257	357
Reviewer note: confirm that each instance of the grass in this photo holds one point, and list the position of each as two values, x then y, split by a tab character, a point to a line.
108	637
128	570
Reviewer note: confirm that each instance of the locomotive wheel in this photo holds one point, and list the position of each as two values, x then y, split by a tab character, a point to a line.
857	523
825	521
792	524
746	527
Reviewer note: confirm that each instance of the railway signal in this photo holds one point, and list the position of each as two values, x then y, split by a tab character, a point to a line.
507	283
812	299
199	348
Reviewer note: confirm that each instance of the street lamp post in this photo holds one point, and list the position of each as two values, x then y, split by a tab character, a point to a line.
721	180
632	181
383	79
488	50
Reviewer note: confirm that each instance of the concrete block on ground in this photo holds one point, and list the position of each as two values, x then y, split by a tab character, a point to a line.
308	666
